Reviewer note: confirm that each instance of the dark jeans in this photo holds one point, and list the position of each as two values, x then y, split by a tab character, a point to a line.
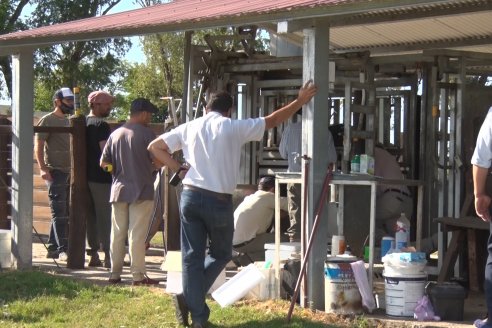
488	276
203	216
58	193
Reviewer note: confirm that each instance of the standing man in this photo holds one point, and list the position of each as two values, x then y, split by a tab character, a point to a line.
211	146
290	148
481	161
52	152
99	181
132	190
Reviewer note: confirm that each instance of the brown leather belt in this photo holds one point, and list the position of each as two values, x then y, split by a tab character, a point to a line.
217	195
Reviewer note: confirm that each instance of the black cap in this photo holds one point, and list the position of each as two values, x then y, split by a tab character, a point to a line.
142	105
267	182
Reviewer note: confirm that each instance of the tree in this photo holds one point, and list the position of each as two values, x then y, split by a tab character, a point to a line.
10	11
90	65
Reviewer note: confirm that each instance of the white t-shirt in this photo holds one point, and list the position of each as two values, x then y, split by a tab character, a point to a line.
482	156
212	145
254	215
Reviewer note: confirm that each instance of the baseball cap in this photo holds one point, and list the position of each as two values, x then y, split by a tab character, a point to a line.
63	93
142	105
99	97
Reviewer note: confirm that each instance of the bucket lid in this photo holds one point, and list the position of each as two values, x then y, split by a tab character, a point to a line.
341	258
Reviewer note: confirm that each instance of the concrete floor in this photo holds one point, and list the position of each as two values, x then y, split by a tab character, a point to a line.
474	306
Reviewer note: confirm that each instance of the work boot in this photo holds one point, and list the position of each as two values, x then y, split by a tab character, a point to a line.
181	309
146	281
95	261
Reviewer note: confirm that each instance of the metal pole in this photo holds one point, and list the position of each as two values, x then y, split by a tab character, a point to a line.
305	181
319	210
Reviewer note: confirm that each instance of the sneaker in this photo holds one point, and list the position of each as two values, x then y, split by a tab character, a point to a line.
146	281
52	254
63	256
181	309
95	262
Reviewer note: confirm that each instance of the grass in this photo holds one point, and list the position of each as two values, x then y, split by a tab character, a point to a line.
39	299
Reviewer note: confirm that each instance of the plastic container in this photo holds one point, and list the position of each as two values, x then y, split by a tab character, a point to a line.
402	232
402	292
238	286
342	295
286	251
355	164
387	243
5	249
447	299
337	245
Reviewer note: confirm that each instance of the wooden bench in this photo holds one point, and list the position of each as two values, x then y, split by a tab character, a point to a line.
462	229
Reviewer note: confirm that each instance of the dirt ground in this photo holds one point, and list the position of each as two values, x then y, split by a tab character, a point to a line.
474	304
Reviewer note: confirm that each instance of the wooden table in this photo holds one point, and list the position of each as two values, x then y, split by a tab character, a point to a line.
462	229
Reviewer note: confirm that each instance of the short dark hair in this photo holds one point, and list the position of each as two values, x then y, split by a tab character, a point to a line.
220	101
266	183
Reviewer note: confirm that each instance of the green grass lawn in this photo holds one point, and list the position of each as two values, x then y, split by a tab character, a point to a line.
38	299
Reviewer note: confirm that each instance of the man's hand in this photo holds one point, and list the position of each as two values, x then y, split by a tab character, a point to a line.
482	204
46	175
306	92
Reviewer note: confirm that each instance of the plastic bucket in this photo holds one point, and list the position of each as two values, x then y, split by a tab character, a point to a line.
342	295
238	286
403	291
5	250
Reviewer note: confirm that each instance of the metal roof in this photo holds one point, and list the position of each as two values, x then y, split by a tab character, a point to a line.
375	25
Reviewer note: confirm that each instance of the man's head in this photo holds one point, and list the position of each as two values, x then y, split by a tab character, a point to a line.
220	102
63	99
267	183
141	110
100	103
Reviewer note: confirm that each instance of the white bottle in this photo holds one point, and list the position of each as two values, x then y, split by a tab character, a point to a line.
402	232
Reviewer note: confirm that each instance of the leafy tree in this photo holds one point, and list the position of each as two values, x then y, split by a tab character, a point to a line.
10	11
88	64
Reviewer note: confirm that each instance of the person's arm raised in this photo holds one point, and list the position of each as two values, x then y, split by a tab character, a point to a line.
306	92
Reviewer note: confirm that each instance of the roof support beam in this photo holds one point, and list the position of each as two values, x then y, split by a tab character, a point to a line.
22	169
315	118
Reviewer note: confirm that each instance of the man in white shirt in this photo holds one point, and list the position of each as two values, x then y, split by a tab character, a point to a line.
252	219
481	160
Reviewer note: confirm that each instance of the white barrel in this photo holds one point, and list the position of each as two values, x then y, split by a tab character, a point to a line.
342	295
403	291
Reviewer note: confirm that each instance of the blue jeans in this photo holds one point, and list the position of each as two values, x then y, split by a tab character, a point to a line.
203	215
488	275
58	193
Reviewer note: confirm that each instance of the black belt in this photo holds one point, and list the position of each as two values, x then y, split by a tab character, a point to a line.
242	244
217	195
404	193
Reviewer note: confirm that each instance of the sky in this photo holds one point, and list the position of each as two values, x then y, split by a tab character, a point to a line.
135	54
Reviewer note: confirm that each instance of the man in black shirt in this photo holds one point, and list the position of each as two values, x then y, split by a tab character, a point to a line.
99	181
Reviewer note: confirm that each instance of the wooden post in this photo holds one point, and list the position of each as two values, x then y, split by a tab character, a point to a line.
5	168
78	195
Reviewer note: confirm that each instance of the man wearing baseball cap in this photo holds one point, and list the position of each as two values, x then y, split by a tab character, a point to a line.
132	190
99	181
52	152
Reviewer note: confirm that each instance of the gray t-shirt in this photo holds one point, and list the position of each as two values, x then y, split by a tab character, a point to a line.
126	150
57	145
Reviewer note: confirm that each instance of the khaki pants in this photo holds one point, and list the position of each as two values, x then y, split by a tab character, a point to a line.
130	219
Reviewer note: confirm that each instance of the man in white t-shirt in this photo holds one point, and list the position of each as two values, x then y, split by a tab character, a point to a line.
252	219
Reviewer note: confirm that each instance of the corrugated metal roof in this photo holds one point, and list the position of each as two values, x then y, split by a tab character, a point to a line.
376	25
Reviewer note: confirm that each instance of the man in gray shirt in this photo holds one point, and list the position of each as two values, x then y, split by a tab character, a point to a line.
132	191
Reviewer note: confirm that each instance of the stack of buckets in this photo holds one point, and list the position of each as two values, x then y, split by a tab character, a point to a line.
404	282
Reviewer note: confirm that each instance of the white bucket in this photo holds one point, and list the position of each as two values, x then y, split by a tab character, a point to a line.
238	286
342	295
403	291
5	250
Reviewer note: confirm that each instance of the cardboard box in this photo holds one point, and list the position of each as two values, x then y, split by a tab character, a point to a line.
174	283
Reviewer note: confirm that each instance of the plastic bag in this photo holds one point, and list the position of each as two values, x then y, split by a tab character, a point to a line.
424	310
